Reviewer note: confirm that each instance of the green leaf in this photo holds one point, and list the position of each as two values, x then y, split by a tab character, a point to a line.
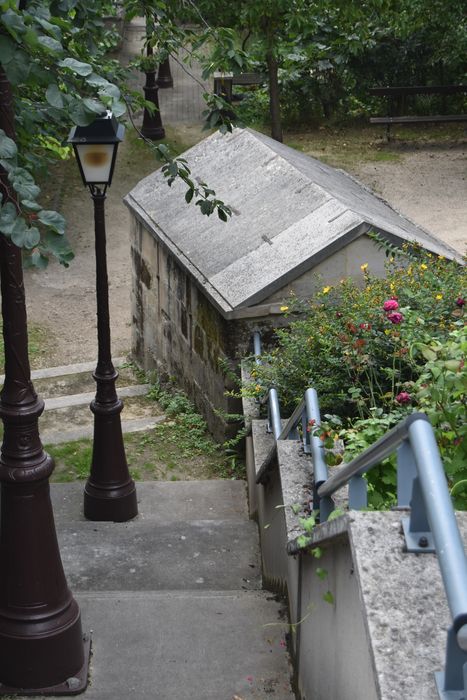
30	204
49	44
32	237
53	220
321	573
75	66
189	196
8	147
23	183
94	106
18	69
95	80
221	214
7	49
118	108
307	523
54	96
328	598
19	232
8	216
13	22
38	260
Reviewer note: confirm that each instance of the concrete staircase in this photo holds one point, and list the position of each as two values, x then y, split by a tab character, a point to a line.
173	600
69	390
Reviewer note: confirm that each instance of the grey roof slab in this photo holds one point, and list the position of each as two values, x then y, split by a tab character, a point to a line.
290	212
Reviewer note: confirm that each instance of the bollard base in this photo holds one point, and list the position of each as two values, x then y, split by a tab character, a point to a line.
71	686
116	506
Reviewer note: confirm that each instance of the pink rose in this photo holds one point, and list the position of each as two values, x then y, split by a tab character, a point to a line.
395	317
390	305
403	397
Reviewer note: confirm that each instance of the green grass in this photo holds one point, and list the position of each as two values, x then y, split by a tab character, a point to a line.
179	448
162	453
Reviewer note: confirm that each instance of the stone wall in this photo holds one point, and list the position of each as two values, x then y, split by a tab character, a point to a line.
178	332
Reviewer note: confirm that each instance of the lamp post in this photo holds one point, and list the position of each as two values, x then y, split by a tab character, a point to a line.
164	77
152	121
41	641
110	492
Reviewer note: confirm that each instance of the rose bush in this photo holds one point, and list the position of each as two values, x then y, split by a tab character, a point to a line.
365	348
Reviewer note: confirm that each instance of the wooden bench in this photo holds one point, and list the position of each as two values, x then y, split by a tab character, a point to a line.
224	82
398	95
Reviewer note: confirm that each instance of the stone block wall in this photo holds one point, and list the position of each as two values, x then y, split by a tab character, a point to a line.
179	333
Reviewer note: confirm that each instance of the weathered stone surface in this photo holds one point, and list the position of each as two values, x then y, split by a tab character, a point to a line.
290	213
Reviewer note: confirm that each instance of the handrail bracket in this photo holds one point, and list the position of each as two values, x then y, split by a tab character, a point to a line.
417	531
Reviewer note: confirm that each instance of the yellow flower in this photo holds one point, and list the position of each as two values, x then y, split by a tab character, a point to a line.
257	388
423	266
409	270
326	290
429	255
440	257
363	267
284	308
368	288
439	296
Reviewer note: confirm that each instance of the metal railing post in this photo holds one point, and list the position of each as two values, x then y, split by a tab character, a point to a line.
275	422
320	471
440	513
406	473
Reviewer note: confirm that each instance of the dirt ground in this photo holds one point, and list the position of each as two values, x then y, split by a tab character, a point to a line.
427	183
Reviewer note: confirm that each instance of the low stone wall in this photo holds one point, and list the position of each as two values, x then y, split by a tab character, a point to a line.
381	633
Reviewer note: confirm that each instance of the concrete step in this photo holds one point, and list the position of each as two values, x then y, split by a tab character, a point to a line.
85	398
199	547
188	645
68	390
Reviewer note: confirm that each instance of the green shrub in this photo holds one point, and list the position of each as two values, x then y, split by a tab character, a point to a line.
376	351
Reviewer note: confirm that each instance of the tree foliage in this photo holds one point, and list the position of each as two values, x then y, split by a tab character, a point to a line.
55	71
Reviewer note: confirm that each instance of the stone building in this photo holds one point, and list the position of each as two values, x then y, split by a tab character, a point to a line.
200	286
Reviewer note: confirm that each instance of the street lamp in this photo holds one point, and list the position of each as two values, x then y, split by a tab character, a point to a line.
164	76
41	641
110	492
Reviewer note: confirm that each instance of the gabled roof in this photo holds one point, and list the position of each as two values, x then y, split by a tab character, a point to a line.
290	212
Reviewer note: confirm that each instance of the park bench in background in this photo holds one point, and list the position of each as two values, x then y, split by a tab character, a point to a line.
224	82
396	101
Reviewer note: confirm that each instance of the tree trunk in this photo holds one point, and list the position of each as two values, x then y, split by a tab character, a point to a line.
274	97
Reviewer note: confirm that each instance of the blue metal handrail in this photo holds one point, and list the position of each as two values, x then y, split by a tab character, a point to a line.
422	485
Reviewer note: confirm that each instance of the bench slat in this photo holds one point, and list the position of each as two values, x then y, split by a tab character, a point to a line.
419	120
399	91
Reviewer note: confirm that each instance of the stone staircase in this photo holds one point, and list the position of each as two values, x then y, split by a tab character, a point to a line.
173	600
69	390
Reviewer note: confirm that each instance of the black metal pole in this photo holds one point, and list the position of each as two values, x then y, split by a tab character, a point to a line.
110	493
164	76
41	641
152	123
